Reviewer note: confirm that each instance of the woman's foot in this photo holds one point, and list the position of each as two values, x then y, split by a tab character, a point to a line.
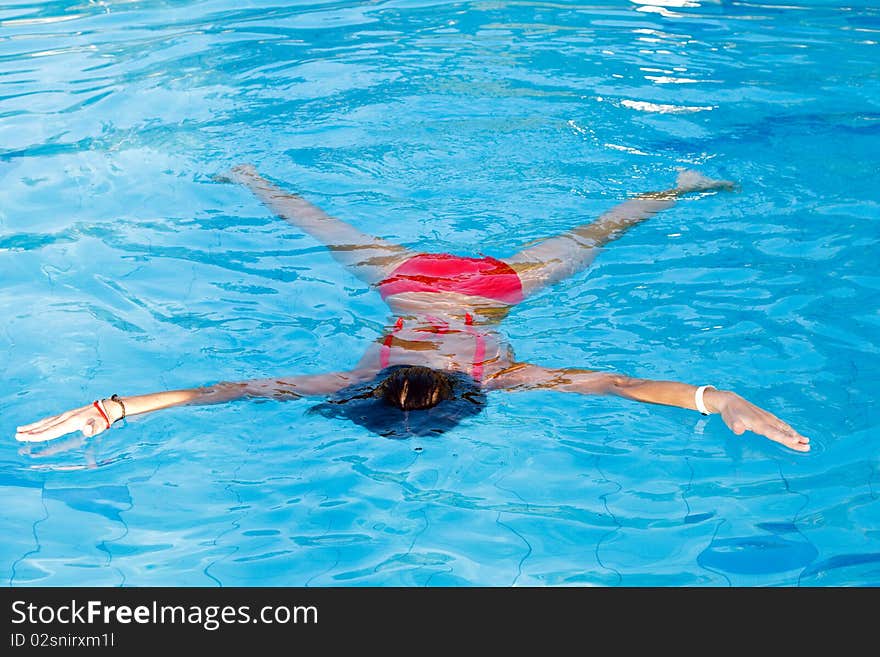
240	173
693	181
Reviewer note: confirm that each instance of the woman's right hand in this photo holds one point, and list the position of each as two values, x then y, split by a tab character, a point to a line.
87	419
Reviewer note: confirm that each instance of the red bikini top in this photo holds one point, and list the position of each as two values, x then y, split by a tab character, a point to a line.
440	326
442	272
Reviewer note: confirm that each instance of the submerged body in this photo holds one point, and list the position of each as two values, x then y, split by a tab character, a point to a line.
443	352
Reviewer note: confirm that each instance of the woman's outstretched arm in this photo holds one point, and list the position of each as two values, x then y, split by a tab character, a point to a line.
90	420
738	414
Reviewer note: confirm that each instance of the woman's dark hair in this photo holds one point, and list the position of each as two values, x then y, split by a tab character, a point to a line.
407	400
415	388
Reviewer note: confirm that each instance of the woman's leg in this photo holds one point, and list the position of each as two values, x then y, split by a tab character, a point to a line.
561	256
370	258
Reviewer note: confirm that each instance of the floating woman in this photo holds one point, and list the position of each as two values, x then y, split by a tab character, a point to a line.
435	364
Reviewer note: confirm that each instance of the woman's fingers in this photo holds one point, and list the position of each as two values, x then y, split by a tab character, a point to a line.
775	429
86	419
742	416
47	421
788	437
49	432
46	426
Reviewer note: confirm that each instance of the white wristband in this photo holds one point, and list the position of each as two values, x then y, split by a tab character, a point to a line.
698	399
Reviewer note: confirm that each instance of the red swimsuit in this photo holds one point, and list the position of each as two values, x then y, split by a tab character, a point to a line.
442	272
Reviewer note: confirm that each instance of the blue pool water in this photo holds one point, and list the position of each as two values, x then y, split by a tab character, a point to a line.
449	126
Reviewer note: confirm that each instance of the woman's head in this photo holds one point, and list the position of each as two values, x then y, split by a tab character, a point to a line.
415	388
407	400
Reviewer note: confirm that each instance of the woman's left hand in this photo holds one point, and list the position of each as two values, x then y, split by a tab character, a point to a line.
742	415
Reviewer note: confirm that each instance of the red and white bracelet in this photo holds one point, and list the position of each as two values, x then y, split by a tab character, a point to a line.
99	404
